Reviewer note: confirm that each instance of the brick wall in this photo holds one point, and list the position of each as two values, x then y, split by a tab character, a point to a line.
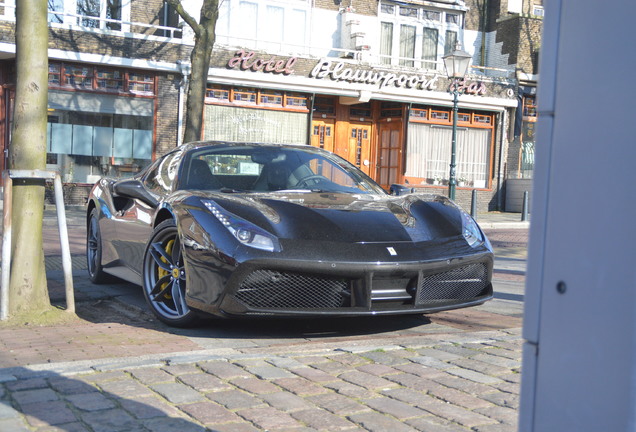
362	7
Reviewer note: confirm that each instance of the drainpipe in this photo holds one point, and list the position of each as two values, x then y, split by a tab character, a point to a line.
184	69
500	174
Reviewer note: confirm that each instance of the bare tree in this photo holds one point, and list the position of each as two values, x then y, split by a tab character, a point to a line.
28	291
204	36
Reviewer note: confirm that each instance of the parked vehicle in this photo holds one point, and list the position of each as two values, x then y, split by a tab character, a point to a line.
256	229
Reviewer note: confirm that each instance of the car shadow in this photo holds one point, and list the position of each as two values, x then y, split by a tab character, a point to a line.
52	401
303	328
124	303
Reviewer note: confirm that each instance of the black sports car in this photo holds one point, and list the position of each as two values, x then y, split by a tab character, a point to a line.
256	229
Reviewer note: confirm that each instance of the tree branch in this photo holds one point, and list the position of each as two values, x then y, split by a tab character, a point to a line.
176	4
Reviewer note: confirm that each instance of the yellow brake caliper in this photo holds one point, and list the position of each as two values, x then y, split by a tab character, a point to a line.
161	272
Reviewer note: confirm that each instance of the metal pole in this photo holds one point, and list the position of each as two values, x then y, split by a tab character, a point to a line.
67	265
524	208
473	204
6	245
451	179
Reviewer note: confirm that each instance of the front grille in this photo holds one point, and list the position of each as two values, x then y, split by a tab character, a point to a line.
462	283
266	289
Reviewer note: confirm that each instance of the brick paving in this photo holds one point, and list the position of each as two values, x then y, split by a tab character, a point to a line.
436	386
115	368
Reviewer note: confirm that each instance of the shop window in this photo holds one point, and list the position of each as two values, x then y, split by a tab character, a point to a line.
360	110
218	94
390	109
296	100
529	106
429	146
420	114
110	80
440	115
141	83
429	151
483	119
100	79
245	95
78	77
257	98
325	106
85	145
55	74
272	98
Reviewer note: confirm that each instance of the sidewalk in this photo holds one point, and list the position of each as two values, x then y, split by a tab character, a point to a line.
116	368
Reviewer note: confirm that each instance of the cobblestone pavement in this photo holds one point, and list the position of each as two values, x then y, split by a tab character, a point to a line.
441	383
117	369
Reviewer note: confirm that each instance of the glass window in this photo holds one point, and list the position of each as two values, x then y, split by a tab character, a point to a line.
407	45
56	6
112	80
408	11
429	46
141	83
420	37
387	9
386	42
277	26
78	76
88	145
431	15
450	42
452	18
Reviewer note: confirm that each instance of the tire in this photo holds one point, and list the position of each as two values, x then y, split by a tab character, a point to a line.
94	250
164	279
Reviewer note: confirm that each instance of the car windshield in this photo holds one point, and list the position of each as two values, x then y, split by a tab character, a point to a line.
261	168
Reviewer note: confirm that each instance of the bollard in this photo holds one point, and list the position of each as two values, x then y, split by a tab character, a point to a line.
524	209
473	204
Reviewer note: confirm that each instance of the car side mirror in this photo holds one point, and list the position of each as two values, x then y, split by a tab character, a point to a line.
133	188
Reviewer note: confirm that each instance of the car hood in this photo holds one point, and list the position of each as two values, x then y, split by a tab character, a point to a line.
349	218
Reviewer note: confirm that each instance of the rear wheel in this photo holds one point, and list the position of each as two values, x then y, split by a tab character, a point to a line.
94	250
164	280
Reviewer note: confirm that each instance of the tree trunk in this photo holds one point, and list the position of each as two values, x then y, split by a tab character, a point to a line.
204	32
28	291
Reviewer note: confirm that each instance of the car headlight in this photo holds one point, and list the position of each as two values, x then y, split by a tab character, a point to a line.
471	231
245	232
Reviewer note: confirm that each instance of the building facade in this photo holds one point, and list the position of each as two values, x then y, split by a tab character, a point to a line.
361	78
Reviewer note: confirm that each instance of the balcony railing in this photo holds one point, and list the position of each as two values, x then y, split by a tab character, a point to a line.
181	35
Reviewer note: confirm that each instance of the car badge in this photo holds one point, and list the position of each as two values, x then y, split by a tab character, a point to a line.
391	251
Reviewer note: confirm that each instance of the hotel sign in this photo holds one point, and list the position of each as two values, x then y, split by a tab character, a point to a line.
340	71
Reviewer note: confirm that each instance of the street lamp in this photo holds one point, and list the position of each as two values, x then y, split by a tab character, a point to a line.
456	63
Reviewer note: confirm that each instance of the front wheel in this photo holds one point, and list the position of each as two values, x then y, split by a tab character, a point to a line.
164	280
94	250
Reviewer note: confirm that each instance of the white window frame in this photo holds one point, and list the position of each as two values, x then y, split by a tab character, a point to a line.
72	18
420	22
295	34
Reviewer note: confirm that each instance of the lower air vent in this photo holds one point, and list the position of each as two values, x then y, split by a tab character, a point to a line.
266	289
461	283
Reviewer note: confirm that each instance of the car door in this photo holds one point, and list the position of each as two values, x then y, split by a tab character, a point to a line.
134	221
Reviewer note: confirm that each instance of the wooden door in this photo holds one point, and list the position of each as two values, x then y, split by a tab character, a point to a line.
322	135
389	154
359	146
